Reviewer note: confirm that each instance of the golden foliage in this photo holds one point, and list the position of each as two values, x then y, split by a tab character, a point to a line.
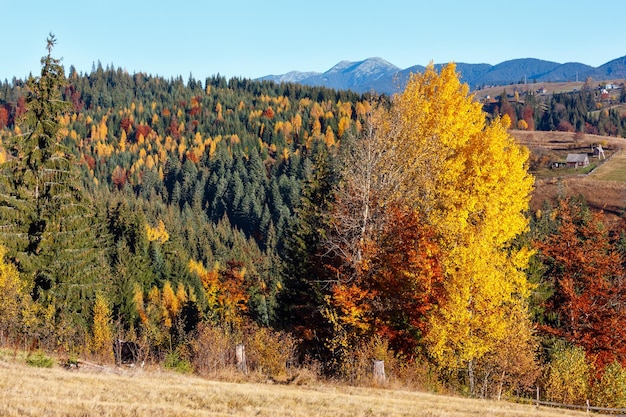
102	330
348	299
344	125
209	279
345	109
159	310
469	180
511	366
316	127
610	389
225	289
13	296
158	233
329	137
568	374
522	124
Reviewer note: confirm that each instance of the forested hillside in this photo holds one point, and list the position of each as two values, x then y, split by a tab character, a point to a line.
217	170
596	108
314	226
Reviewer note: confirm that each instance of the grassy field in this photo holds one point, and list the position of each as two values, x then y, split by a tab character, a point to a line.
613	170
29	391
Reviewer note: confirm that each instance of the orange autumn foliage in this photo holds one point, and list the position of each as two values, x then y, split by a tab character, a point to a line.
142	130
589	288
399	281
225	289
268	113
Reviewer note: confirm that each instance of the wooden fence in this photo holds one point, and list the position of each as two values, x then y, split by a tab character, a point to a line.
588	408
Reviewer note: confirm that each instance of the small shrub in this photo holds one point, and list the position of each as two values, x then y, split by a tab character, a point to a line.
213	350
174	362
610	389
357	362
418	374
568	375
308	373
40	360
269	352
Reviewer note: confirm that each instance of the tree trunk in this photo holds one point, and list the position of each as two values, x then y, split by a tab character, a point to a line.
501	385
240	357
470	372
378	371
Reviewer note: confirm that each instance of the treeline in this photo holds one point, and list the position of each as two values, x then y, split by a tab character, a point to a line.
314	226
589	110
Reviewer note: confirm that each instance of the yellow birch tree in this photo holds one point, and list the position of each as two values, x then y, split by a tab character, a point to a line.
469	181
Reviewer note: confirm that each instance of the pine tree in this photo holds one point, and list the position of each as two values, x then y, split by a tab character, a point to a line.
46	219
302	297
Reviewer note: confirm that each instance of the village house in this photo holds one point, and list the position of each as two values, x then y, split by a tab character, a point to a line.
575	160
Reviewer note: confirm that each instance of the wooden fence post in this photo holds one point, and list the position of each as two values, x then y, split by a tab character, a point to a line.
240	357
378	371
537	396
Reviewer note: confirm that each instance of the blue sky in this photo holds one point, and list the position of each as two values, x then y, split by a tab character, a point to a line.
253	39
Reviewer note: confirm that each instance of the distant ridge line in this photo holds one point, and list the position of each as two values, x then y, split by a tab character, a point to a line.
379	75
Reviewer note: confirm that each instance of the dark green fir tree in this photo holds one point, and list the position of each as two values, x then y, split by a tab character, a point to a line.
47	221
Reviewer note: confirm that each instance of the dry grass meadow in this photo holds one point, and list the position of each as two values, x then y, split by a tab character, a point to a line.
56	391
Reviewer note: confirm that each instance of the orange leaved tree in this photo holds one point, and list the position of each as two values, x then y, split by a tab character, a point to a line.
384	261
589	288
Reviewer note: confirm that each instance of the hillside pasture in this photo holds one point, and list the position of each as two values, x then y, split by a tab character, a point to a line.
153	393
545	87
541	88
603	183
565	141
613	170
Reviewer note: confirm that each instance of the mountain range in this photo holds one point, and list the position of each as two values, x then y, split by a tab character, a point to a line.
376	74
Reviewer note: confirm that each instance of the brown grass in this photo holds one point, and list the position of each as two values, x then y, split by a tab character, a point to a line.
27	391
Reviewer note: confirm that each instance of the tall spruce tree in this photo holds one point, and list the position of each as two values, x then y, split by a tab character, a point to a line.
46	219
301	301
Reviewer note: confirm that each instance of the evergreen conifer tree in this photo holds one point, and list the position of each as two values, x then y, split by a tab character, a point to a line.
46	219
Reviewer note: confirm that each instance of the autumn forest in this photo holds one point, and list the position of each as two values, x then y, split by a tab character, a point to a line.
321	229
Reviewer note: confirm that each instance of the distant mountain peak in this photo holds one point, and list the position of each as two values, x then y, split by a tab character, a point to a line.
290	77
369	64
377	74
